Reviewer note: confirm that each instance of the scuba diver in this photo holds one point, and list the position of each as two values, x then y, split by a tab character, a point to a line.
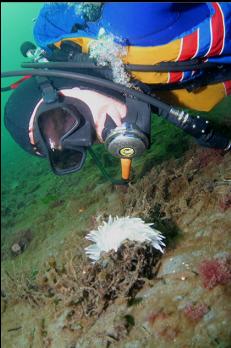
177	55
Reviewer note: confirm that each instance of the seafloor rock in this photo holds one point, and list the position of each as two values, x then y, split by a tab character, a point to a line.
182	198
16	249
118	274
163	311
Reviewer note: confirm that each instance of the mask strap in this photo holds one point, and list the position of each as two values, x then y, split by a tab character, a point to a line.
49	94
131	116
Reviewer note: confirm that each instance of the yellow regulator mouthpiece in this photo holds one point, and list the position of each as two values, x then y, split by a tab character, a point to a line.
126	168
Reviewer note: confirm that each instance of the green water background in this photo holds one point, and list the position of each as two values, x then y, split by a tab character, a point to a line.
16	27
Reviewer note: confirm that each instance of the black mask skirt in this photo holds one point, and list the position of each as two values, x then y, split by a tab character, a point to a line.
63	131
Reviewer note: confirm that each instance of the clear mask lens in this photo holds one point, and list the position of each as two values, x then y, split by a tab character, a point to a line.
54	125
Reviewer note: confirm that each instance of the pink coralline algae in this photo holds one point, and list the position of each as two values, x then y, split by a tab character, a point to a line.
195	311
215	272
209	155
225	203
156	315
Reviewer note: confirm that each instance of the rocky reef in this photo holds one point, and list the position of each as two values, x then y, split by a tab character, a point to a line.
138	297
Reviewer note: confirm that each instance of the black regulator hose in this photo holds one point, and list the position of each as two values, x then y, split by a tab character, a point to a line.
199	128
63	65
195	126
162	67
91	80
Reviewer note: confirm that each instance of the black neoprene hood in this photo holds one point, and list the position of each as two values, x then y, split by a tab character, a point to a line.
22	102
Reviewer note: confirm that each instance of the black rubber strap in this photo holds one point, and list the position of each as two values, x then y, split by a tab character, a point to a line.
49	93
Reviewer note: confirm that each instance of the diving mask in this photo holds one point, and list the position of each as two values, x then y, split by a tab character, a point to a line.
63	135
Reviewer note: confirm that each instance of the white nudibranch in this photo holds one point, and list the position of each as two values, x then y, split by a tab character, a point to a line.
110	235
